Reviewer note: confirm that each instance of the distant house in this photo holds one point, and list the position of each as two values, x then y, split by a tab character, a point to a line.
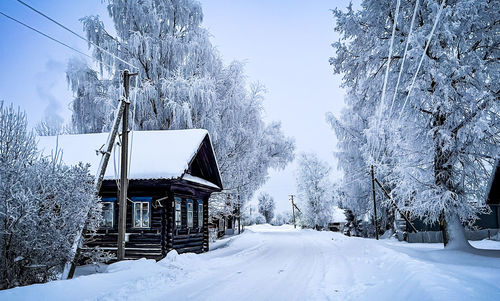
225	225
338	220
225	219
172	175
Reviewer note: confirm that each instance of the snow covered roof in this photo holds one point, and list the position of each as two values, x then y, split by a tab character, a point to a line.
338	215
154	154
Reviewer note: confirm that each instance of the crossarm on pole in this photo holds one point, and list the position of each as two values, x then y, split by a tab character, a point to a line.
396	206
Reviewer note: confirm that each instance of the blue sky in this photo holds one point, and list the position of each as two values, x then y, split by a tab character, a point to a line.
285	44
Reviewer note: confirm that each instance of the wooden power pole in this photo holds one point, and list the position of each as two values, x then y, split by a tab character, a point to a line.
294	206
239	214
293	211
122	206
374	203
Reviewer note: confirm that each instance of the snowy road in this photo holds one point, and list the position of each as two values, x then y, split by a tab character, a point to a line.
280	263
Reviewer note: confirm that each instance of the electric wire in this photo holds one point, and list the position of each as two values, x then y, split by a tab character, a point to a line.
52	38
404	56
76	34
375	149
423	56
386	77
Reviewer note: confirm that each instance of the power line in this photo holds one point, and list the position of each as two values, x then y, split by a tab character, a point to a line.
423	55
76	34
51	38
404	55
386	77
375	150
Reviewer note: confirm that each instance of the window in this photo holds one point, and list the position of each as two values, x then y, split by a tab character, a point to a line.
142	212
178	221
108	212
200	214
190	214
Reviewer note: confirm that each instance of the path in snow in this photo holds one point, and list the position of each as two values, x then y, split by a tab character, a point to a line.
280	263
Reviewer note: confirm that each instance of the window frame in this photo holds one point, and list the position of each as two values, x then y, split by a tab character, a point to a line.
189	213
141	201
200	214
112	202
178	219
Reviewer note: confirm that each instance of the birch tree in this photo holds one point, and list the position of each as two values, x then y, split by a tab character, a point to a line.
181	83
266	206
435	137
315	191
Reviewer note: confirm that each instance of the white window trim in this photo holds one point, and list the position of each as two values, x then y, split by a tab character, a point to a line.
135	203
188	211
178	222
200	215
112	215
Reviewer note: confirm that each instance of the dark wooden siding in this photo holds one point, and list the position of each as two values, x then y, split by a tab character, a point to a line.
163	236
190	239
142	242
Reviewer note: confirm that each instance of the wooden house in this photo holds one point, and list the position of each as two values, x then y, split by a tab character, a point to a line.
492	220
337	221
171	177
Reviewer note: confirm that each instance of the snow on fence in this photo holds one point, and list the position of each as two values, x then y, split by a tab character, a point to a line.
436	236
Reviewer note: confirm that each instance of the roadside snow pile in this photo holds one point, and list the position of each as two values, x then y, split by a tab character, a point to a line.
282	263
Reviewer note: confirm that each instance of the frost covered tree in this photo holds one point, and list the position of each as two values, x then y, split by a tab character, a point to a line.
354	188
315	191
51	126
181	83
266	206
92	105
42	206
283	218
433	130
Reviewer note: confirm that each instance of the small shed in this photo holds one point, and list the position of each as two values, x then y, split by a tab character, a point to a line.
171	177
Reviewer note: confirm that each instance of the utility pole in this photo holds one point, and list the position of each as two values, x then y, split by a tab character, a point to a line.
396	206
239	214
69	267
293	210
122	207
374	203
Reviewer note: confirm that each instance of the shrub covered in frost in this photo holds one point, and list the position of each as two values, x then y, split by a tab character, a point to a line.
43	204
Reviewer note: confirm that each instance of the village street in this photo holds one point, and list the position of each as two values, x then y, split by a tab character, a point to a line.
281	263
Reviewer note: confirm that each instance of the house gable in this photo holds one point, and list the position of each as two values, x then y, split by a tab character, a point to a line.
204	164
494	187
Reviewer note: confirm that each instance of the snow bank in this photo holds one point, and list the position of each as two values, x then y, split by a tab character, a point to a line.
282	263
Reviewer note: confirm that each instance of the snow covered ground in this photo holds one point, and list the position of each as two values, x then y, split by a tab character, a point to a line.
281	263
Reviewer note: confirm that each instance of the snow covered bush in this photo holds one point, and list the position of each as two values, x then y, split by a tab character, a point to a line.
251	216
259	219
42	206
266	206
315	191
283	218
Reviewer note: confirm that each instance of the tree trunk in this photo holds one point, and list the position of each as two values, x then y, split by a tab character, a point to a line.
450	224
454	233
